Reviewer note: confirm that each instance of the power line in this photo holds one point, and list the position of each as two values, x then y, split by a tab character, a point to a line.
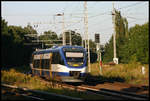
71	14
72	10
98	14
117	9
134	18
93	5
76	23
106	29
132	13
129	5
122	8
38	14
102	22
65	7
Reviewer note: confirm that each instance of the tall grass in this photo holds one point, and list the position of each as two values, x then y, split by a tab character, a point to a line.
131	73
19	79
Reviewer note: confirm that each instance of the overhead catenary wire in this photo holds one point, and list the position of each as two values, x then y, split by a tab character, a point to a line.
108	12
119	8
74	10
72	13
132	5
99	23
93	5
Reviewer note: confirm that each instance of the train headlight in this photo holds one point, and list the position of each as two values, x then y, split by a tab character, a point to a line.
75	65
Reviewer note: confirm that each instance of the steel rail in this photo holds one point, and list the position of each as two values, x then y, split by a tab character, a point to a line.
126	93
118	94
15	87
107	92
33	97
40	92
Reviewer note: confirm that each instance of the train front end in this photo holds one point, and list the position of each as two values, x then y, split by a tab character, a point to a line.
75	61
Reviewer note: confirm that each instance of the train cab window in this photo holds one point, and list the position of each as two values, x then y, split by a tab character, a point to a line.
74	56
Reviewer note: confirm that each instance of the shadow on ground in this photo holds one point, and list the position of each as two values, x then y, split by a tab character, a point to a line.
94	80
136	89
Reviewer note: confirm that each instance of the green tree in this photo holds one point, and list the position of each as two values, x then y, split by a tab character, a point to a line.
75	37
121	29
5	39
139	42
30	30
49	37
13	50
108	51
135	47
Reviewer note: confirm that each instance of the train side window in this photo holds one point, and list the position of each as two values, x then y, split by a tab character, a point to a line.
42	63
60	60
36	63
56	59
53	58
46	63
31	58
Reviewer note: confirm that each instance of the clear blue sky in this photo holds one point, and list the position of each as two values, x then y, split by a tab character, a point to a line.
20	13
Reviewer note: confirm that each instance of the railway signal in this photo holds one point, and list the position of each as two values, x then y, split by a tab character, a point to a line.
97	41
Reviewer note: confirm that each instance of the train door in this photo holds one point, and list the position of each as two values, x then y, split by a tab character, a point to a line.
57	63
50	65
46	70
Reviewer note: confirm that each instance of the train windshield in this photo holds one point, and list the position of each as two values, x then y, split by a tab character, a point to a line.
74	56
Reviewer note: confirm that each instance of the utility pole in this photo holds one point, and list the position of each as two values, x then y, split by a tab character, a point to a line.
70	39
54	21
71	36
63	28
82	42
37	35
86	34
64	36
115	59
100	57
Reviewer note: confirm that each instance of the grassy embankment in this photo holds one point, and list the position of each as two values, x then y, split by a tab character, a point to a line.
15	77
128	73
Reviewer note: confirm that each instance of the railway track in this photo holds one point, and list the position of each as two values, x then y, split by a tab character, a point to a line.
38	95
117	94
120	95
16	92
113	94
125	95
110	94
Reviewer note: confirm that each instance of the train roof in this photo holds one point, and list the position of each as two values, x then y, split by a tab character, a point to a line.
54	49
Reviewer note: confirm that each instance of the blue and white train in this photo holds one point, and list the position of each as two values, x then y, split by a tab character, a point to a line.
68	63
